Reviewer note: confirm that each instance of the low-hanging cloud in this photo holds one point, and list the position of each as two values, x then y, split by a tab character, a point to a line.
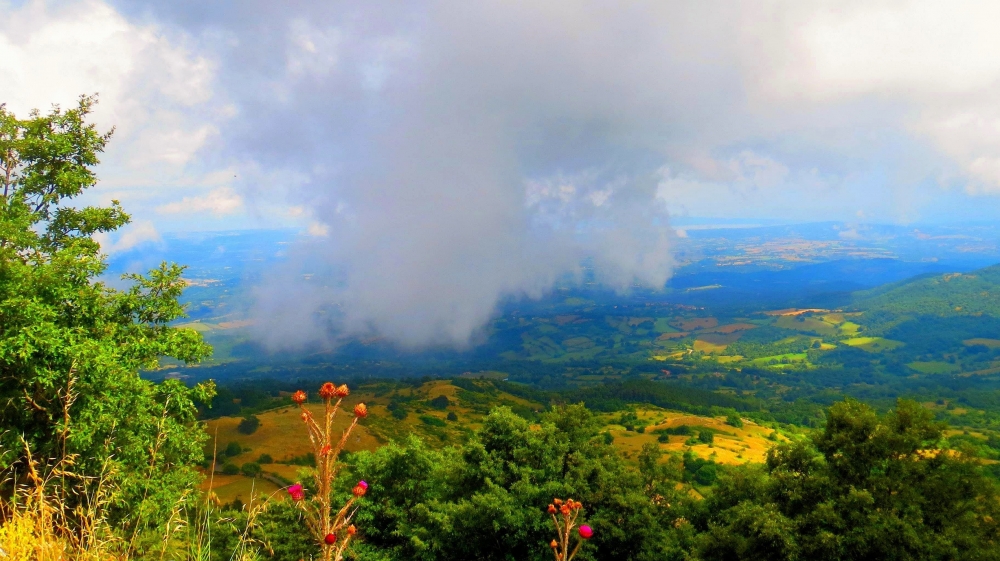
449	155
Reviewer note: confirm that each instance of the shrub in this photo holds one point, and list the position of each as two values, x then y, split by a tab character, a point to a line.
452	416
230	469
734	420
249	424
706	437
432	421
233	449
251	469
440	402
265	459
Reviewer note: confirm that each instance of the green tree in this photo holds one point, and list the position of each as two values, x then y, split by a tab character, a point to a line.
233	449
251	469
71	347
249	424
866	487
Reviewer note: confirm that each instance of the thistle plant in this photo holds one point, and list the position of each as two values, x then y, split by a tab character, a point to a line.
564	515
331	528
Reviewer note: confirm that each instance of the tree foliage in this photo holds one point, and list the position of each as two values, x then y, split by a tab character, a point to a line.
71	346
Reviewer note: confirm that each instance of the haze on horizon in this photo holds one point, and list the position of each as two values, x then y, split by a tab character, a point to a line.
442	156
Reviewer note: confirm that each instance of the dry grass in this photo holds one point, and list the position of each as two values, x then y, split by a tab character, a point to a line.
731	446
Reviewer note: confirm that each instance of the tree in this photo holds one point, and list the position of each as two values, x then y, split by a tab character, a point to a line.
251	469
71	347
249	424
233	449
866	487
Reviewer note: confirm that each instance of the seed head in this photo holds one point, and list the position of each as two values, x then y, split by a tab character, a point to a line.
299	397
341	391
361	410
327	390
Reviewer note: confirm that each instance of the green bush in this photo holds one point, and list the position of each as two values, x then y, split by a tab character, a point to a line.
432	421
265	459
251	469
440	402
230	469
249	424
706	437
452	416
232	449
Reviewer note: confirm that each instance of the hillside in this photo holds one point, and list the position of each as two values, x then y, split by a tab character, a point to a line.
976	292
444	413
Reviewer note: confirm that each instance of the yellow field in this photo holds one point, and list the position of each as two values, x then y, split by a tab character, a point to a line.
707	347
731	446
991	343
734	327
873	344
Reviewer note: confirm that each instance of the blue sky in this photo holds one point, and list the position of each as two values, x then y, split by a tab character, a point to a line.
432	147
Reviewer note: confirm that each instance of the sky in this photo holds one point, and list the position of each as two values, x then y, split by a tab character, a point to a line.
445	155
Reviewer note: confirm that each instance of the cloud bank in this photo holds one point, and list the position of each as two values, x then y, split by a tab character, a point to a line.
443	156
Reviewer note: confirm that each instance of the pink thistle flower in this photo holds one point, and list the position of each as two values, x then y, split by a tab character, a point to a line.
296	492
586	532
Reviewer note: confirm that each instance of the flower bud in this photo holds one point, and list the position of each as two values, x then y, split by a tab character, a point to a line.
586	532
554	544
564	509
361	410
351	530
330	539
342	391
299	397
552	509
327	390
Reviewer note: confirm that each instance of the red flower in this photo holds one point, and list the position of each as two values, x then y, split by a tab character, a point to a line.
296	492
564	509
351	530
586	532
327	390
330	539
360	489
341	391
299	397
361	410
552	509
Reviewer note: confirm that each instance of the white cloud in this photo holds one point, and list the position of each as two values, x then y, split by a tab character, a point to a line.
131	236
153	87
318	230
219	202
